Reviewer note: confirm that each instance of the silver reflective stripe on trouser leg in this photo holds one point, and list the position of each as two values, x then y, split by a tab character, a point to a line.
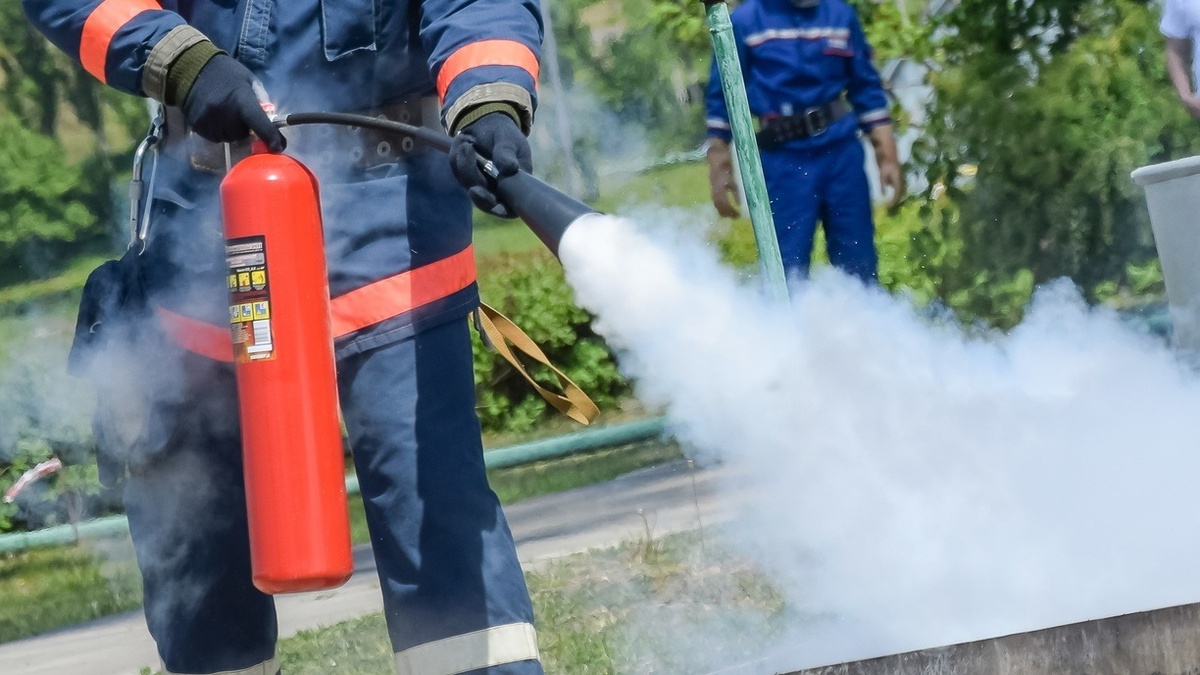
265	668
470	651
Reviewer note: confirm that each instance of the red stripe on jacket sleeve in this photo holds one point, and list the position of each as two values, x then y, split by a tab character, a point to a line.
101	25
486	53
402	293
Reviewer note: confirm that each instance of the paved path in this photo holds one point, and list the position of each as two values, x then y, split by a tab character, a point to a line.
668	498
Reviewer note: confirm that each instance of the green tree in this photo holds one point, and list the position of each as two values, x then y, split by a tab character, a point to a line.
1051	107
67	141
43	210
614	51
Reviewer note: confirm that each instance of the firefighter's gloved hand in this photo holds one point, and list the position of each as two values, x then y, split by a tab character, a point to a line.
222	107
495	136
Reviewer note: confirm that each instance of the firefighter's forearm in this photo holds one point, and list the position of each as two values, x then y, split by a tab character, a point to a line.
1178	58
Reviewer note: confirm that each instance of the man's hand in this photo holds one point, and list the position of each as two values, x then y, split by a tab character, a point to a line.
725	195
497	137
221	105
891	177
1191	103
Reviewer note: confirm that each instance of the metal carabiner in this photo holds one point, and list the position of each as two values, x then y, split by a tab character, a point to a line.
140	190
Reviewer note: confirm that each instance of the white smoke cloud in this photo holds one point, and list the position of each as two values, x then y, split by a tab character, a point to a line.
912	486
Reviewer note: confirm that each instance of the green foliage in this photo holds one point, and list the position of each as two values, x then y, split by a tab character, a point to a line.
530	289
681	21
614	51
65	137
44	212
1054	119
893	33
921	252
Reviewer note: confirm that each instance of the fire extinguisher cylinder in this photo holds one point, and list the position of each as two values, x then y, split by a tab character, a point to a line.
287	384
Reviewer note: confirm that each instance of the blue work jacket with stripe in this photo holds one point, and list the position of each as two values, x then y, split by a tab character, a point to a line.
371	52
398	237
793	59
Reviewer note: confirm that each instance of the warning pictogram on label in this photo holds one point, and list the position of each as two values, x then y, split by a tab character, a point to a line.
249	299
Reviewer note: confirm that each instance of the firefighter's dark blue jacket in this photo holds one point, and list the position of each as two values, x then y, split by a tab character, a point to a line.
399	245
464	44
794	59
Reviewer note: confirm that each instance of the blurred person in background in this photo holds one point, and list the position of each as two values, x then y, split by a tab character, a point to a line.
811	84
1180	25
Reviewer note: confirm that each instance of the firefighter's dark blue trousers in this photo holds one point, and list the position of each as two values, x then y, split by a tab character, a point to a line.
452	586
441	543
826	183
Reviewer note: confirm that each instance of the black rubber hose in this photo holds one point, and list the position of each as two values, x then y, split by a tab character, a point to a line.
547	211
425	135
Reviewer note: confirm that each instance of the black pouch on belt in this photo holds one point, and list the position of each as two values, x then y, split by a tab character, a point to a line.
102	352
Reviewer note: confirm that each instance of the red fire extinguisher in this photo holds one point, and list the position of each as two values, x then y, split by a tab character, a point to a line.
279	313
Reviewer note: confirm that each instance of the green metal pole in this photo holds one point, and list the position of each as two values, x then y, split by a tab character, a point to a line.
744	143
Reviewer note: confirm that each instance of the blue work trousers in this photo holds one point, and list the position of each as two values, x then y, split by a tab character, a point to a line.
826	183
447	562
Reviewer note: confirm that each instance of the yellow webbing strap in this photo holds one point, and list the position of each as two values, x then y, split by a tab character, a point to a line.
502	333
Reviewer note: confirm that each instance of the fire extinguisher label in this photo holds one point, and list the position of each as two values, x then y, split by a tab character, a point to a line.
249	299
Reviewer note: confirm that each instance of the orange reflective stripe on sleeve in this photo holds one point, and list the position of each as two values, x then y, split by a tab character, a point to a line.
486	53
403	292
101	25
196	336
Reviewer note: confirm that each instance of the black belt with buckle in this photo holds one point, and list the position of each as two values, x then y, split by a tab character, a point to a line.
353	148
812	122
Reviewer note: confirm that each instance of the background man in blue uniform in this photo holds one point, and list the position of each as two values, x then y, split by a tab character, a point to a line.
402	277
1180	25
812	86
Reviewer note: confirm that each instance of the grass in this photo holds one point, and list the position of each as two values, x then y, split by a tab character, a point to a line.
45	589
672	605
48	588
673	185
595	612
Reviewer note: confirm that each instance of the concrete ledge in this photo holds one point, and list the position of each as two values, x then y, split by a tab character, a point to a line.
1158	642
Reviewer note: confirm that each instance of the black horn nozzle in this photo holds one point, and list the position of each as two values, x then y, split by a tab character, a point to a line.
544	209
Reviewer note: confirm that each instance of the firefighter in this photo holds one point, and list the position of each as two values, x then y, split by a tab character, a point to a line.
812	86
401	273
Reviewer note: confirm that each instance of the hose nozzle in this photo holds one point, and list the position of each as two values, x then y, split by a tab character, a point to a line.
544	209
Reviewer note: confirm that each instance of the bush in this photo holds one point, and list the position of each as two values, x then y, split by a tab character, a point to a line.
530	289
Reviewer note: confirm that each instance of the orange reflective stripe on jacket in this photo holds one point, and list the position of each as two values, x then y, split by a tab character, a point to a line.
402	293
196	336
353	311
101	25
486	53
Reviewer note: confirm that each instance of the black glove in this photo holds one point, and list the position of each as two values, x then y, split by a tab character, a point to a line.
222	107
497	137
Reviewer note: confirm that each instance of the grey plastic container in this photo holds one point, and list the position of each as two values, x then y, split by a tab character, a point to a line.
1173	197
